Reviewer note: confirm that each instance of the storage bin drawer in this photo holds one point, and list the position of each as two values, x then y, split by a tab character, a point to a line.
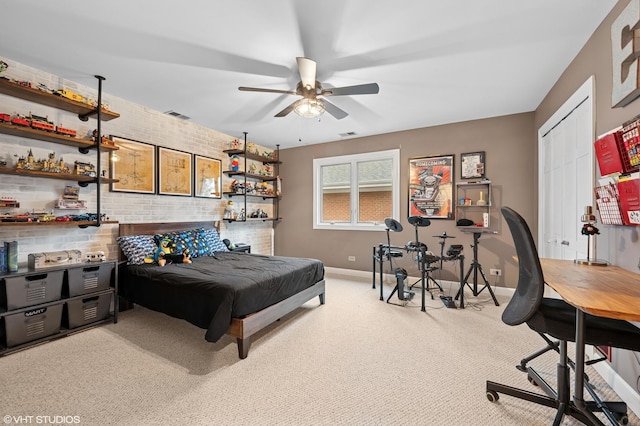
30	325
32	289
89	279
85	311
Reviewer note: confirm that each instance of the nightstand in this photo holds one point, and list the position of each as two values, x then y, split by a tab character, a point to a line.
244	248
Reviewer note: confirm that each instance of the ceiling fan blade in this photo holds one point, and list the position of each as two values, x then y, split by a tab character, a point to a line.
360	89
257	89
307	69
287	110
334	110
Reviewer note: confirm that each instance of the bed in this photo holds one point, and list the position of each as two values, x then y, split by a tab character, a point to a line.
223	292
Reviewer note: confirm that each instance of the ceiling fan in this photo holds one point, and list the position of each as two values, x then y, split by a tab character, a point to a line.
313	102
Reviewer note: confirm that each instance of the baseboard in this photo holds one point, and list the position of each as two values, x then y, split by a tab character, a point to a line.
390	279
328	270
617	383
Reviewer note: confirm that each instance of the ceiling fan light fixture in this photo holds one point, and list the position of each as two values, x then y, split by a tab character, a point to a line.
309	108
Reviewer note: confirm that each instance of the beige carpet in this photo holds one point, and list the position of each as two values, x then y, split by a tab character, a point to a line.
354	361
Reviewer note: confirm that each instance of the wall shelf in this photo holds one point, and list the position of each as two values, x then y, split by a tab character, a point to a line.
52	175
80	223
8	87
27	132
243	175
473	191
84	111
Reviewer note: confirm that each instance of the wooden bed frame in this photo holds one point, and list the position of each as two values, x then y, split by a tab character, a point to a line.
240	328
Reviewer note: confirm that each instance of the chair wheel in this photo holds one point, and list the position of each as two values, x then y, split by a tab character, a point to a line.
533	382
624	419
492	396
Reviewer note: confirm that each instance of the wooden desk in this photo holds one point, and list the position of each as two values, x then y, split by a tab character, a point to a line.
605	291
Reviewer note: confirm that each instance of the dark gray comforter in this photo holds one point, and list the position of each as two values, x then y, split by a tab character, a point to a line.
212	290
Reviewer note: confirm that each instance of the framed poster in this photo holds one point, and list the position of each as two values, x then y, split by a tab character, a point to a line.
207	177
431	187
174	172
472	165
134	165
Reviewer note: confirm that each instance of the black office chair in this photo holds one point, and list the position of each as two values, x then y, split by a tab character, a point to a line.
556	318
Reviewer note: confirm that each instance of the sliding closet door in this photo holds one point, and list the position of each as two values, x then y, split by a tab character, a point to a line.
566	177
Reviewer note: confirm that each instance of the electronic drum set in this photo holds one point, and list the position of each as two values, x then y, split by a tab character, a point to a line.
427	261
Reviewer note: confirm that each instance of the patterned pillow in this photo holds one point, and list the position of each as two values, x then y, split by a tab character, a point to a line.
137	247
214	241
192	241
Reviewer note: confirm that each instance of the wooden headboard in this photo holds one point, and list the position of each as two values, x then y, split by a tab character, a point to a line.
161	228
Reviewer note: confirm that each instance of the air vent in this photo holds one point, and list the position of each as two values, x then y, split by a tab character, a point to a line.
177	115
347	134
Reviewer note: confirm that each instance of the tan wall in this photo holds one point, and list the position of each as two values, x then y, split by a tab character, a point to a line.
595	59
509	145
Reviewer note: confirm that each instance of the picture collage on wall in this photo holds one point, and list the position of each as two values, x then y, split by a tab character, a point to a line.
140	167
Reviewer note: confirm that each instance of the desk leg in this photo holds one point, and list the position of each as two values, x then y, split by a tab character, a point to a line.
579	373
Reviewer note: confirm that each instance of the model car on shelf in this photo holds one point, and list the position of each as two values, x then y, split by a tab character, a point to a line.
5	117
16	218
94	216
41	216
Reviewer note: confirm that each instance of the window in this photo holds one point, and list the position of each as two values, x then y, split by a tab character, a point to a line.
356	192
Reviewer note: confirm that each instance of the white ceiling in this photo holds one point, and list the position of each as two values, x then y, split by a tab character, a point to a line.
435	61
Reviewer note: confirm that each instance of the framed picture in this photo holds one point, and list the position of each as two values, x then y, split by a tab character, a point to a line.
431	187
134	165
472	165
174	172
207	177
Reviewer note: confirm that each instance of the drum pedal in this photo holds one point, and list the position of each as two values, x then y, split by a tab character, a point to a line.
448	301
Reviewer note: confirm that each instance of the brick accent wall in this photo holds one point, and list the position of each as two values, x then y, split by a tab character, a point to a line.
136	122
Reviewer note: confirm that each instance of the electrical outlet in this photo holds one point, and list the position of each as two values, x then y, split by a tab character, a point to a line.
351	258
496	272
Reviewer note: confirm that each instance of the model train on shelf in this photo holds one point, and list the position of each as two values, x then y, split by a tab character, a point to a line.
37	122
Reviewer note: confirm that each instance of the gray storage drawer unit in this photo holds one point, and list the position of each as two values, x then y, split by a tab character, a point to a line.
26	326
85	311
89	279
31	289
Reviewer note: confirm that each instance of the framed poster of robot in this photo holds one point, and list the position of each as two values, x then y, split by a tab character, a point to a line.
431	187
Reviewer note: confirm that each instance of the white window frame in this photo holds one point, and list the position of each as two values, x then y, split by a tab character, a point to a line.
318	163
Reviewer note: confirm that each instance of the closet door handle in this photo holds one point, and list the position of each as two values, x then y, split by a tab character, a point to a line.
565	243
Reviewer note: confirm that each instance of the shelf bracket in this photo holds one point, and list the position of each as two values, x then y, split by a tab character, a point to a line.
85	117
